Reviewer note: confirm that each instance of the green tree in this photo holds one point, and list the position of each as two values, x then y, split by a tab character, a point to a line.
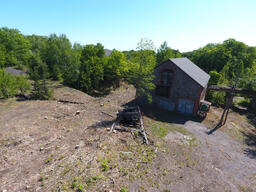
2	56
92	67
130	55
57	55
115	68
141	71
15	48
215	77
164	52
38	43
71	71
249	82
8	87
218	98
232	70
22	83
39	73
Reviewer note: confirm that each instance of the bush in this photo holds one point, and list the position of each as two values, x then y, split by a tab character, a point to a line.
215	77
41	91
22	83
38	72
217	98
11	85
8	87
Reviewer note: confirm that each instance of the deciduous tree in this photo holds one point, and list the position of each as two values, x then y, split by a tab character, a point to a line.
141	71
164	52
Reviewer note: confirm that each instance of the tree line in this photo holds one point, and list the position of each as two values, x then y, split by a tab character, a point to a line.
87	68
227	63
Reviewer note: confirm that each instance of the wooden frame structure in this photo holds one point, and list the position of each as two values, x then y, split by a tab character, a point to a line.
132	118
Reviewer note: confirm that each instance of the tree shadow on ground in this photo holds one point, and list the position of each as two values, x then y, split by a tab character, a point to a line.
24	97
101	93
250	141
101	124
251	153
243	111
249	135
219	125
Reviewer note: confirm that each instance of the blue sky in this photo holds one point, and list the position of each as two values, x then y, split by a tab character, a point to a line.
185	24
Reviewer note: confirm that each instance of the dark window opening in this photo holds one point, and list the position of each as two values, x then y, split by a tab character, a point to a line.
164	88
166	78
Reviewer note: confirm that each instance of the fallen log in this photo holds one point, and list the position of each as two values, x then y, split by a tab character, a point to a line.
107	114
71	102
119	128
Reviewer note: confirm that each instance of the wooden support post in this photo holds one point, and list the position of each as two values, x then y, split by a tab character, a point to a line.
226	117
228	104
222	116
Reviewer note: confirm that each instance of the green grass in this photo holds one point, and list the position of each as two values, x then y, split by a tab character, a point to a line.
48	160
104	163
93	179
161	129
179	129
242	102
80	188
8	103
124	189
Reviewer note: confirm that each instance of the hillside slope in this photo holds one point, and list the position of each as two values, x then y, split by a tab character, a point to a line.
65	146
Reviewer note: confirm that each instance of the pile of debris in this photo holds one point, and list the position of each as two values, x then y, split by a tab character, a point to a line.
130	120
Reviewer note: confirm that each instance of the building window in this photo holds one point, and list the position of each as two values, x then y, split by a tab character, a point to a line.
164	88
166	78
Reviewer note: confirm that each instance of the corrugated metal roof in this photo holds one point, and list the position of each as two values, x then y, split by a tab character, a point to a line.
192	70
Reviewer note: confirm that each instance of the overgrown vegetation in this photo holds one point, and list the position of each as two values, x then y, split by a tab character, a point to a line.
11	85
38	72
226	62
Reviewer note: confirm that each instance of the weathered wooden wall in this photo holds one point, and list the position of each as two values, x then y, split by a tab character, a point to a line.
182	85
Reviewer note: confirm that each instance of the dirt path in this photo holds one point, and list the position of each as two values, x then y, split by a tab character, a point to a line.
220	152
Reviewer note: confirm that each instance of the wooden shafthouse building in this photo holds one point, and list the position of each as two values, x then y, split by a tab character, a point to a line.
180	86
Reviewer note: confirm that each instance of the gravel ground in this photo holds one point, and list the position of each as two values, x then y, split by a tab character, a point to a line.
225	155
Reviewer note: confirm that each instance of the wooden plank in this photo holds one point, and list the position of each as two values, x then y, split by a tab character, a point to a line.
142	127
127	129
106	114
229	89
112	127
